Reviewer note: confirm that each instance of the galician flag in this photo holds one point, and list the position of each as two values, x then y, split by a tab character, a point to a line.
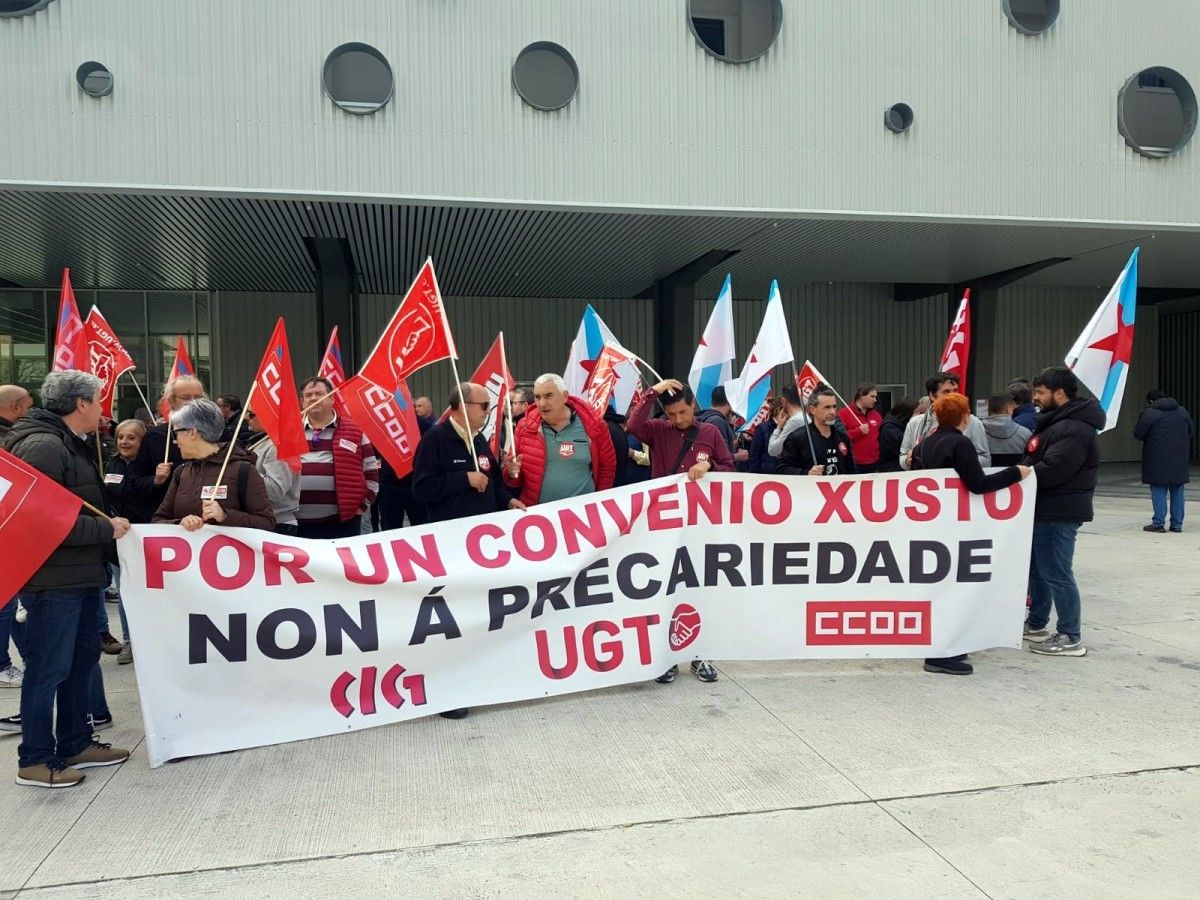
713	363
1101	355
772	348
593	334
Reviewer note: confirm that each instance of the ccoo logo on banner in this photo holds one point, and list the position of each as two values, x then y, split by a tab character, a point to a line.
318	637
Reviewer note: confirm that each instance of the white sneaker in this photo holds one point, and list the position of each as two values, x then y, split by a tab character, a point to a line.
11	677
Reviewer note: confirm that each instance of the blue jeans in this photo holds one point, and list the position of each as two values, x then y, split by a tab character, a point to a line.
1051	578
1158	497
10	629
62	658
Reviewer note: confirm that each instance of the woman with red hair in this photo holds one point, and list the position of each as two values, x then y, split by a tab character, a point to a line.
948	448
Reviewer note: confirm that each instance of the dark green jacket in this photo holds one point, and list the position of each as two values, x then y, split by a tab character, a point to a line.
44	442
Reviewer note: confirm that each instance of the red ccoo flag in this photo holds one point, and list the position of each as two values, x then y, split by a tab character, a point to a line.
417	335
108	360
332	370
70	341
36	515
387	418
957	351
275	401
182	366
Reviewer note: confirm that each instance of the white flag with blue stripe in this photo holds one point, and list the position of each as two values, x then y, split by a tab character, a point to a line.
1101	356
772	348
713	363
585	350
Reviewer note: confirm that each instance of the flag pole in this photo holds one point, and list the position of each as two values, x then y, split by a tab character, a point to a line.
233	441
462	404
99	453
101	513
167	452
138	388
507	400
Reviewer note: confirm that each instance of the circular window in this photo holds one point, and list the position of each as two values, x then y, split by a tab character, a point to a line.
545	75
735	31
898	117
1031	16
21	7
95	79
358	79
1156	112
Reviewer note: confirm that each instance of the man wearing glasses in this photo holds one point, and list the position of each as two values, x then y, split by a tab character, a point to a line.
339	476
148	474
454	473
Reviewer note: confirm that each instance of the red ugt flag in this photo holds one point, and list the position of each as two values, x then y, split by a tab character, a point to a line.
333	371
603	379
70	342
36	514
275	400
958	343
108	360
388	420
182	366
417	335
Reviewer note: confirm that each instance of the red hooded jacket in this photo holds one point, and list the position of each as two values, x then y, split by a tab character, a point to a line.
531	447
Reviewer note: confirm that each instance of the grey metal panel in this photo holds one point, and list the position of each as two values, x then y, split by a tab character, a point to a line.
243	323
224	95
1036	326
1179	342
537	332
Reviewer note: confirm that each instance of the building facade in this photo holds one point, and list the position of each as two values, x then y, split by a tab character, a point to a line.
204	166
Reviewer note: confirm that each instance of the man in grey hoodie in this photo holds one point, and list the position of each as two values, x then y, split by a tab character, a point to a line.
1006	439
919	426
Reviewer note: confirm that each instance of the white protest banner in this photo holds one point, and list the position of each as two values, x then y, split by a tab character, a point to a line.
261	638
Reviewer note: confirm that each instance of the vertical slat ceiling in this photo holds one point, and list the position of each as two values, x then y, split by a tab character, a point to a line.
151	241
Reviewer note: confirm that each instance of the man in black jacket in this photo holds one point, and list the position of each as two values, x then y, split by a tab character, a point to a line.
445	477
63	598
148	474
818	448
1166	432
1064	452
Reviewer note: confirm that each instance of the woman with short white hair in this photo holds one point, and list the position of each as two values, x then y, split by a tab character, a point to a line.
193	498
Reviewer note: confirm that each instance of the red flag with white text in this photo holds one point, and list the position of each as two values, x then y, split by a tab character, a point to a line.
36	515
417	335
957	351
275	401
333	371
108	359
387	418
602	381
70	340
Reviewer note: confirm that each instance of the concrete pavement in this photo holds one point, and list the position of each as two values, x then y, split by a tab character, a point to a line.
1034	778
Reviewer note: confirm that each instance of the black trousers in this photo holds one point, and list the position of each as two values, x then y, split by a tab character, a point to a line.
327	530
396	502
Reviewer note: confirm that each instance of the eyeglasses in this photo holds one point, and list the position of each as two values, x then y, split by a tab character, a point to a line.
250	415
485	405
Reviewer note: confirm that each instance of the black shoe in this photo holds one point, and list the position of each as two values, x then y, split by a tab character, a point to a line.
1154	529
1178	530
455	713
668	676
956	665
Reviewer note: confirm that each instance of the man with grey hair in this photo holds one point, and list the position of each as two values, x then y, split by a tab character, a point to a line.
562	449
15	401
64	596
147	477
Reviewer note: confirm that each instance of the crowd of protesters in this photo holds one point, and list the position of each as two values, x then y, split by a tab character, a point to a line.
196	468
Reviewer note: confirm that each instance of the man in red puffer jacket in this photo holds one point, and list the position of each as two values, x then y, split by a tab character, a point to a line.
563	451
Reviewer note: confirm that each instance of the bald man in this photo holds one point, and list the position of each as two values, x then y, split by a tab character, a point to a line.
15	401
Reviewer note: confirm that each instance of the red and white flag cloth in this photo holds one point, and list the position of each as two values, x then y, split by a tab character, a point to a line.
387	418
70	340
108	359
808	379
602	381
957	351
275	401
493	376
181	367
333	370
417	335
36	515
